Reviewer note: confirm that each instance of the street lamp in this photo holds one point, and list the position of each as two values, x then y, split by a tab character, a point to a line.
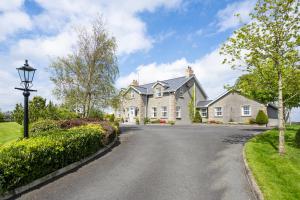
26	74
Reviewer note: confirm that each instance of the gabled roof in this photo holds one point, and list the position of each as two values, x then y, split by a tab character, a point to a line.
203	104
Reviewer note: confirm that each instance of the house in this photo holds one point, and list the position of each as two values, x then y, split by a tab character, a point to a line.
169	100
163	99
234	107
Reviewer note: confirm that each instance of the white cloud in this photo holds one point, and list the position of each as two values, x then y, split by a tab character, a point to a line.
209	70
227	18
12	19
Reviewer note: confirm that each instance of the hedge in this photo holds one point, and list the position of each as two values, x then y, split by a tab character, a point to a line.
26	160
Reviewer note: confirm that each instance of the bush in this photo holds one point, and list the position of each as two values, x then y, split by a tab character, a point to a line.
155	121
146	120
252	121
1	117
197	118
23	161
42	126
111	118
137	121
261	118
98	114
171	122
297	138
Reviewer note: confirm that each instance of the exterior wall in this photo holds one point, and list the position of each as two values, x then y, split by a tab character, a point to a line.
232	104
137	102
183	101
158	102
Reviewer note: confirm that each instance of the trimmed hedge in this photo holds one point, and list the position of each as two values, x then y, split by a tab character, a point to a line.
26	160
297	138
261	118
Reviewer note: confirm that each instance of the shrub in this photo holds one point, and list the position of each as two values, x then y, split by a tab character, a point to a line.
1	117
111	118
171	122
42	126
261	118
162	121
297	138
155	121
146	120
98	114
252	121
197	118
23	161
137	121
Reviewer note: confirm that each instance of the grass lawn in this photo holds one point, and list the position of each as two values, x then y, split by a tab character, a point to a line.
277	176
9	131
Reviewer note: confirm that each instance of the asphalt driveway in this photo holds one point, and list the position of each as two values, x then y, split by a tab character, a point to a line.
161	163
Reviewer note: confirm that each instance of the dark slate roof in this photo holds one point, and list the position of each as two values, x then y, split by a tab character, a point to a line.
202	104
170	85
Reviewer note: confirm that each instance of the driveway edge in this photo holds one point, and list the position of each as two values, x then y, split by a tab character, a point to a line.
58	173
251	180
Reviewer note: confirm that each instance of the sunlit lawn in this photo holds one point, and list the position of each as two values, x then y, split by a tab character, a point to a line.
277	176
9	131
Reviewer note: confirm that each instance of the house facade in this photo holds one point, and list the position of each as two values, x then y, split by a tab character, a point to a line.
234	107
169	100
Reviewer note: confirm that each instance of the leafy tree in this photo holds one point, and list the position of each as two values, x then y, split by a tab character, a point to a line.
267	46
52	111
37	108
261	118
1	116
18	114
85	79
197	118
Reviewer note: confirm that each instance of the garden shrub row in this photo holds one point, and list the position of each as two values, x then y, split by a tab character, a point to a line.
52	148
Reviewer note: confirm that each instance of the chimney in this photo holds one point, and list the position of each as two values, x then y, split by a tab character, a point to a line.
135	83
189	72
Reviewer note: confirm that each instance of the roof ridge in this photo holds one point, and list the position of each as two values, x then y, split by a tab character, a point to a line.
163	80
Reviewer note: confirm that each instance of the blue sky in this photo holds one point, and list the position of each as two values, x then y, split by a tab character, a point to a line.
156	39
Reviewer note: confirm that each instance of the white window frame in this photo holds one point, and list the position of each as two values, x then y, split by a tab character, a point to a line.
158	92
164	112
203	112
243	111
218	113
178	112
154	112
132	94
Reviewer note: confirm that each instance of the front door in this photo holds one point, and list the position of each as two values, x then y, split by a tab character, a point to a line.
131	114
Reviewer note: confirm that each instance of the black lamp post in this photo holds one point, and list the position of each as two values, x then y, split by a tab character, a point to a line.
26	74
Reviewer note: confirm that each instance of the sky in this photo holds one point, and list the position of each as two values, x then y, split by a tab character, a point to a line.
157	39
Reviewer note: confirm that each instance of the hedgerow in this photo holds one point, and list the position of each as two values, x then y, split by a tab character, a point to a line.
26	160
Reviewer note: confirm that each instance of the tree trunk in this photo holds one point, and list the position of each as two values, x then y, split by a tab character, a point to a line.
280	116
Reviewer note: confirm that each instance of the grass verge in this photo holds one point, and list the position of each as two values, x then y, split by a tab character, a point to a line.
277	176
9	131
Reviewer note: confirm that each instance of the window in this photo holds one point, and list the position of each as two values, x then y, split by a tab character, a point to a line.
178	112
154	112
181	92
158	92
203	112
164	112
246	110
218	112
132	94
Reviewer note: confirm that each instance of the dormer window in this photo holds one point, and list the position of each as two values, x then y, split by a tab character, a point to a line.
158	92
132	94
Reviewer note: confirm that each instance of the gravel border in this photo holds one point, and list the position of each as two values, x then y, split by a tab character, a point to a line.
57	173
251	180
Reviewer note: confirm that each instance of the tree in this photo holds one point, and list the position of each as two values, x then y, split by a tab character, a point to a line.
85	79
268	46
37	109
18	114
1	116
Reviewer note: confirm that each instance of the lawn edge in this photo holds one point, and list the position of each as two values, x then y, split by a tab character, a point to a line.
250	177
56	174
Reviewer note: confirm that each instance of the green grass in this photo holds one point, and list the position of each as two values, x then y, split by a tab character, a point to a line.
277	176
9	131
